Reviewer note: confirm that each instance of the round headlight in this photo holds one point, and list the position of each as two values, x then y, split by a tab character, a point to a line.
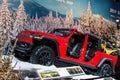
31	36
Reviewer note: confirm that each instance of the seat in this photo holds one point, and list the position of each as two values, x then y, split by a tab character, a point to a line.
90	54
76	50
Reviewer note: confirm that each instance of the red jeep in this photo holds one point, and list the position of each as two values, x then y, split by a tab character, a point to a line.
67	45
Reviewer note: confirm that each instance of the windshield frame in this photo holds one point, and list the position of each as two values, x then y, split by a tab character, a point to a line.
62	32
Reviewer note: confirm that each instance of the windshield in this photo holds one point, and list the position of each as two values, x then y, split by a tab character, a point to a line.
61	32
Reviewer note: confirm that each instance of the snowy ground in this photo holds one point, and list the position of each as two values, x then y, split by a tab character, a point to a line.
29	71
28	66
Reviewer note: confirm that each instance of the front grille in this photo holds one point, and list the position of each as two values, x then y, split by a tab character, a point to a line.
24	36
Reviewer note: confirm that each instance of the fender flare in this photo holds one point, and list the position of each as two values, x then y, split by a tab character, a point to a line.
105	60
51	39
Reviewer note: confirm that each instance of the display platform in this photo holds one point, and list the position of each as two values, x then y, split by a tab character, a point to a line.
38	72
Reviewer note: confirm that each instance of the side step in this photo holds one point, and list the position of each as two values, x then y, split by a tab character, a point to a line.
59	63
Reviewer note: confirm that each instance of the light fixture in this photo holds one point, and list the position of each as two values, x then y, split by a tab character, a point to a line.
117	20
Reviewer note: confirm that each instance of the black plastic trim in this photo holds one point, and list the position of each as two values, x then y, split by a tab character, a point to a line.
23	50
104	60
78	64
56	43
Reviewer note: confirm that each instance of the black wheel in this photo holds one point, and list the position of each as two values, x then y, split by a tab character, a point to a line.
43	55
117	69
105	70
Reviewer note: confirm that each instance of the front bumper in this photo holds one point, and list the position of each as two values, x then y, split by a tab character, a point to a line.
23	48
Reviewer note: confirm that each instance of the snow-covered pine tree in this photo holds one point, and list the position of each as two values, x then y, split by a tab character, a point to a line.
89	18
71	18
87	21
6	70
83	18
5	24
49	21
61	22
69	21
57	21
30	24
82	22
20	22
79	26
37	23
111	28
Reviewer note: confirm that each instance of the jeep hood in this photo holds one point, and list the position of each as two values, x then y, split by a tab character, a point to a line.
24	36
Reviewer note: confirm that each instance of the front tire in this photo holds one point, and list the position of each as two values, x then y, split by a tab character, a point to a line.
105	70
42	55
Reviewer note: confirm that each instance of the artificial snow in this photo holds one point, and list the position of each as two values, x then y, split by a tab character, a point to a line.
28	66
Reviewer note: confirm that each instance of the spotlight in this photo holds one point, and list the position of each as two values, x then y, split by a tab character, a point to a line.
117	22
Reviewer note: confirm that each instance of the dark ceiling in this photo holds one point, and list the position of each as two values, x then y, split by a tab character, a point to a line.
117	1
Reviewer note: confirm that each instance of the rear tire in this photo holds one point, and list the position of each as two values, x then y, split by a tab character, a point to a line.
105	70
42	55
117	69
